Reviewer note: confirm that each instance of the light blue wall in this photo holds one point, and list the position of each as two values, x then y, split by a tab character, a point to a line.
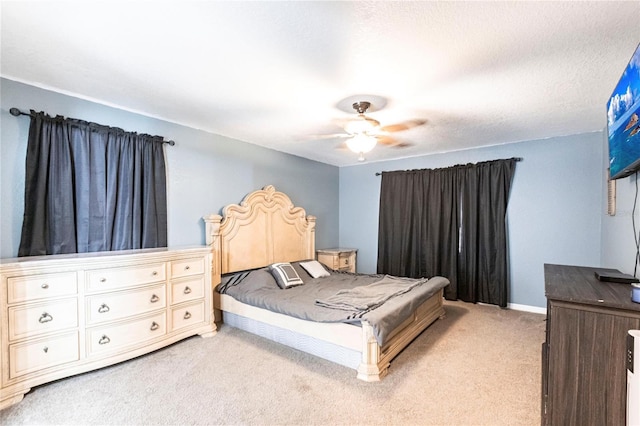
554	214
205	171
618	241
556	211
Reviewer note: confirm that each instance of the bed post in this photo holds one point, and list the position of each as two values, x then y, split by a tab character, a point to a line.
370	369
212	239
311	235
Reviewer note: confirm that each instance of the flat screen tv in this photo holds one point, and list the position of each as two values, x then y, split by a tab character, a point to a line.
623	121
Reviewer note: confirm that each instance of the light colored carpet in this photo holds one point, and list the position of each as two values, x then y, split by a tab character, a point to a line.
478	366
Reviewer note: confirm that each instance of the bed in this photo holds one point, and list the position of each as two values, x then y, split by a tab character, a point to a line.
266	228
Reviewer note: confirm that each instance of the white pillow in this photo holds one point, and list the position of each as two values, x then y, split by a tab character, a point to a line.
315	269
285	275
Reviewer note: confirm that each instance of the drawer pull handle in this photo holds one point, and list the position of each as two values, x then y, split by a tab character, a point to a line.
45	317
103	308
154	273
187	315
187	290
44	286
186	268
45	349
104	340
154	326
103	280
154	299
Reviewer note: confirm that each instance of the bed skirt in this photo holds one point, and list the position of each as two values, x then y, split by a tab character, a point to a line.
323	349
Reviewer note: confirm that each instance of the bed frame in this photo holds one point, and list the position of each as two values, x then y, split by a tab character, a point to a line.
266	228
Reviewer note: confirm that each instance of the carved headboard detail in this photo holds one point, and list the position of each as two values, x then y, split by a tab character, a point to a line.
264	228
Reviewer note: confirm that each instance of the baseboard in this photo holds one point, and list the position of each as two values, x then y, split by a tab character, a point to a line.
527	308
524	308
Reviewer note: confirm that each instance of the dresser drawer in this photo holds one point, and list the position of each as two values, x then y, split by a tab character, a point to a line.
107	279
187	267
31	320
44	353
113	306
185	316
34	287
185	290
125	333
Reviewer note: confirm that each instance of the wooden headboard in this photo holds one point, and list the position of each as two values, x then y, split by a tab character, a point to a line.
264	228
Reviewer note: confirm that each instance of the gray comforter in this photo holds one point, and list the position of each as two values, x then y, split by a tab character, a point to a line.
383	301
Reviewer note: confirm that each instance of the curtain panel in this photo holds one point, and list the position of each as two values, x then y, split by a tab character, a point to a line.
91	188
449	222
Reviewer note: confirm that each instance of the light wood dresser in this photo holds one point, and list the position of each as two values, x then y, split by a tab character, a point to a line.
340	259
67	314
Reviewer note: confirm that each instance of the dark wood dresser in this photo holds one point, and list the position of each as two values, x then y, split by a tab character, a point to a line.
584	375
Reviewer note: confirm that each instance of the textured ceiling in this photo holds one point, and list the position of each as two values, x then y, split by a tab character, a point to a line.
276	73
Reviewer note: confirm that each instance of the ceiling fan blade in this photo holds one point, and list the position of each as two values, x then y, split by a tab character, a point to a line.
402	145
342	146
329	136
405	125
387	140
392	142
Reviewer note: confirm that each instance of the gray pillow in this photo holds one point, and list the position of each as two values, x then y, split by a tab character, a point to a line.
285	275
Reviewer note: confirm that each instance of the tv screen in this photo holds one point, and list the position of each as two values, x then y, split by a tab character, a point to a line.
623	121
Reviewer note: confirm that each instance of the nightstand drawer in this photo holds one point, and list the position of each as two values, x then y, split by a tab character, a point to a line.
34	287
113	306
126	333
31	320
185	290
344	261
107	279
36	355
187	315
329	260
187	267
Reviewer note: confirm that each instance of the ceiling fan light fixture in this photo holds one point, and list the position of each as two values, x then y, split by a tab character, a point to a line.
361	143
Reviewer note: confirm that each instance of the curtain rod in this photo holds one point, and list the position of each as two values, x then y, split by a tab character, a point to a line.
514	158
16	113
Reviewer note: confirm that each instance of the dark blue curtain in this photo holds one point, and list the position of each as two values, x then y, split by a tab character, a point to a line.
92	188
449	222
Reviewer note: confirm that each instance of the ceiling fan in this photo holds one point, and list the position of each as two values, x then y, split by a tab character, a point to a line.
363	133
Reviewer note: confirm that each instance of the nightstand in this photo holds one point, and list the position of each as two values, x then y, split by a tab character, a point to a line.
340	259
